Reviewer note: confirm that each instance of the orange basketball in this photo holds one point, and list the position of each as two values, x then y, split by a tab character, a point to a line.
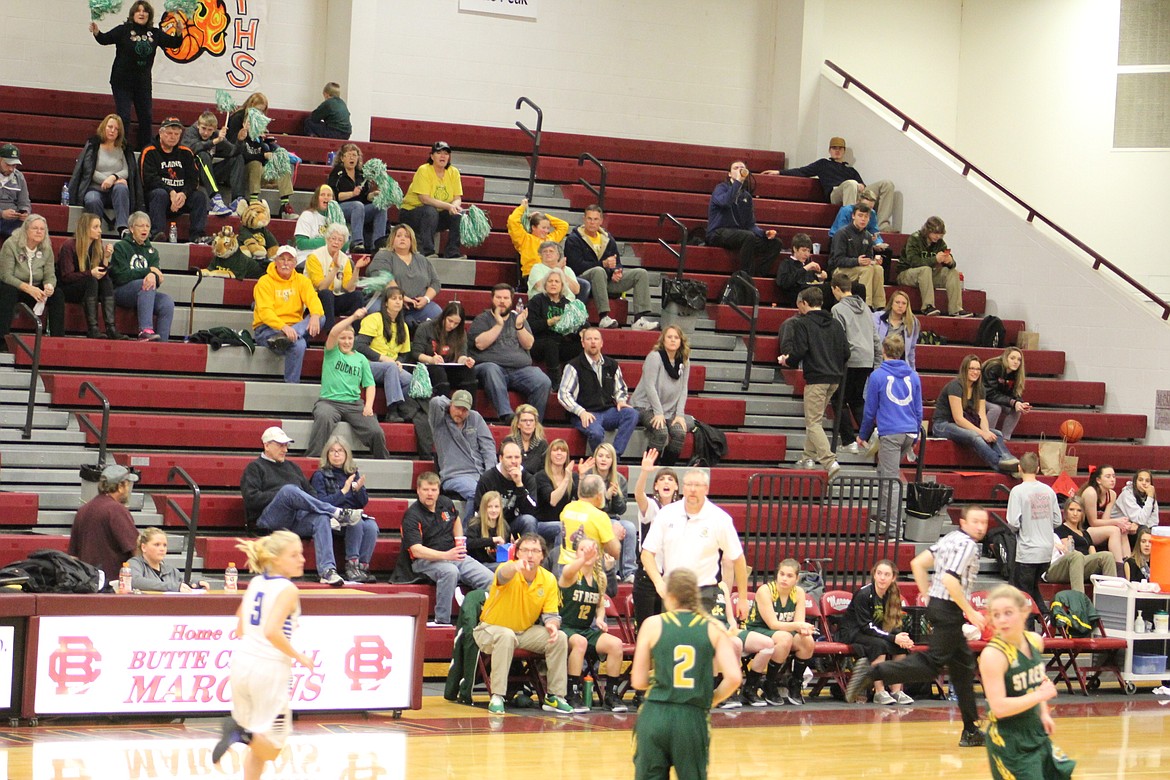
1072	431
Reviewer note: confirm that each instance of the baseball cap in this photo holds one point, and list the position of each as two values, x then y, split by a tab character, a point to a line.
462	399
10	154
285	250
836	141
440	146
277	434
116	474
868	194
171	121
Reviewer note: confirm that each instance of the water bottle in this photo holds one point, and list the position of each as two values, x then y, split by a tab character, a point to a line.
588	690
332	156
174	233
124	577
65	194
231	578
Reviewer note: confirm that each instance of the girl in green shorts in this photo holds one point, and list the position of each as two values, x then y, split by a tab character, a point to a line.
583	621
775	629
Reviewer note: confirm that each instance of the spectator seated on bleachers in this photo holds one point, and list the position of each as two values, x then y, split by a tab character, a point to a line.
134	269
337	481
277	495
552	258
926	263
845	217
279	322
103	532
330	119
208	142
354	191
501	339
487	531
28	274
170	184
604	466
385	341
517	489
593	391
842	184
83	275
412	272
430	529
731	223
334	276
852	253
661	395
552	345
15	204
1003	387
149	569
247	174
434	202
314	222
528	239
464	447
529	434
593	255
556	482
796	271
1137	502
1075	556
347	393
960	415
441	345
106	175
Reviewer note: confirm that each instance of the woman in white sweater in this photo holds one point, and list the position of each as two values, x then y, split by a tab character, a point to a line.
1137	502
661	395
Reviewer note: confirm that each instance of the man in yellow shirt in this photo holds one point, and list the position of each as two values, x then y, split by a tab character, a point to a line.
584	519
544	227
523	610
279	322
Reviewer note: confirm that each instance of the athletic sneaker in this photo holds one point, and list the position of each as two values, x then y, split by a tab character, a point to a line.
752	698
859	682
608	323
331	577
645	323
884	697
732	702
805	464
218	207
279	344
576	702
852	448
496	705
971	738
148	334
901	697
930	311
349	516
554	703
834	469
613	703
795	696
286	212
232	733
772	694
963	314
235	204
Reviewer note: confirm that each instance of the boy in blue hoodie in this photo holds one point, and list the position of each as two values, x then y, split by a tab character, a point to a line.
893	404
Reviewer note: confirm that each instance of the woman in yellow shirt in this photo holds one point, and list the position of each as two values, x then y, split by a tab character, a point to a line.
384	339
543	227
332	275
434	202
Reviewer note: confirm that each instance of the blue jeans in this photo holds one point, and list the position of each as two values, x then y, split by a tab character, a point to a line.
624	421
418	316
551	532
360	215
295	510
463	485
446	575
395	381
991	454
428	220
629	556
155	309
360	540
530	380
294	357
116	197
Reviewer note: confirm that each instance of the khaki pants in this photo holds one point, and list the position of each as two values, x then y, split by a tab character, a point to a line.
255	173
816	443
636	279
502	642
926	279
874	279
1073	567
845	194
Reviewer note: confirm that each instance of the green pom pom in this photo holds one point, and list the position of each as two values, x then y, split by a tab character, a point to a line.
278	166
257	124
100	8
334	214
374	285
389	193
474	227
185	7
225	101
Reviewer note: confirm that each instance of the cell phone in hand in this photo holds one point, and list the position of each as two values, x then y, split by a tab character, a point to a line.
519	304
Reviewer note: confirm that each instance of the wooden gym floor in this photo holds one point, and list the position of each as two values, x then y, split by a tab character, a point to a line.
1110	736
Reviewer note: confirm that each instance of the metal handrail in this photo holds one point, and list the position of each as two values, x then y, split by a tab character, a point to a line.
752	319
1033	214
191	311
535	136
35	356
191	521
104	433
598	191
681	253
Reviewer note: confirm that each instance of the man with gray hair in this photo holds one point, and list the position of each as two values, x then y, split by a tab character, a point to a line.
586	519
103	532
593	254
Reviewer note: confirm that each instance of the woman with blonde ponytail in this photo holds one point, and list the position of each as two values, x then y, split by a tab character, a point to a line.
583	621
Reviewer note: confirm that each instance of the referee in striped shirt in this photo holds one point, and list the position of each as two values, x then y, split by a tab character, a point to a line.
946	593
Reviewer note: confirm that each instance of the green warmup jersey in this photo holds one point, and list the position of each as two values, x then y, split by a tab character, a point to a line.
579	604
785	610
1017	746
719	611
683	660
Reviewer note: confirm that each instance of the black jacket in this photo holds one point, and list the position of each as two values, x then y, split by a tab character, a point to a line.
592	395
999	386
818	345
81	181
135	49
791	278
516	500
580	255
261	480
174	170
849	244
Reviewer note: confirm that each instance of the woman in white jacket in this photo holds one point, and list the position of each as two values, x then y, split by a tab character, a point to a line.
1137	502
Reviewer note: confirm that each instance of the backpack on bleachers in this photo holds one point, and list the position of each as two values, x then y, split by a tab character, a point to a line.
736	291
991	332
52	571
1000	544
710	445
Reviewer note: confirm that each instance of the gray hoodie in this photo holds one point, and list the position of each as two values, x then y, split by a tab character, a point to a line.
466	450
865	350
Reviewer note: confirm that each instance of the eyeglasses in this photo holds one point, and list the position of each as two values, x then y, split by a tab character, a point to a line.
531	551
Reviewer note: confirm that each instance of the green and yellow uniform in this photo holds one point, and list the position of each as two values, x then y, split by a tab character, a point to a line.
579	604
1018	747
719	611
673	727
784	607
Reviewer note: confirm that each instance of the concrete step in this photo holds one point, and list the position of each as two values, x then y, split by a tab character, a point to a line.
42	418
12	477
43	436
60	498
44	455
558	206
63	518
18	380
18	396
513	188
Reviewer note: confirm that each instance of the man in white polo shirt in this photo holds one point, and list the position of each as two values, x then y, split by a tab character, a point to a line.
693	534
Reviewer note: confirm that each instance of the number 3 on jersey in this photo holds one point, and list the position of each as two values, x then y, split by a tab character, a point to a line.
254	617
684	662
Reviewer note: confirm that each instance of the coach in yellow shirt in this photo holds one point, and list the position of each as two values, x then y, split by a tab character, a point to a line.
584	519
523	610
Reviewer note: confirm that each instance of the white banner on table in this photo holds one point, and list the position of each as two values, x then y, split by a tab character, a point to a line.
137	663
7	648
522	9
223	47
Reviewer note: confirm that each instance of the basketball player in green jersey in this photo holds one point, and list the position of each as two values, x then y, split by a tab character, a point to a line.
1018	691
686	649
